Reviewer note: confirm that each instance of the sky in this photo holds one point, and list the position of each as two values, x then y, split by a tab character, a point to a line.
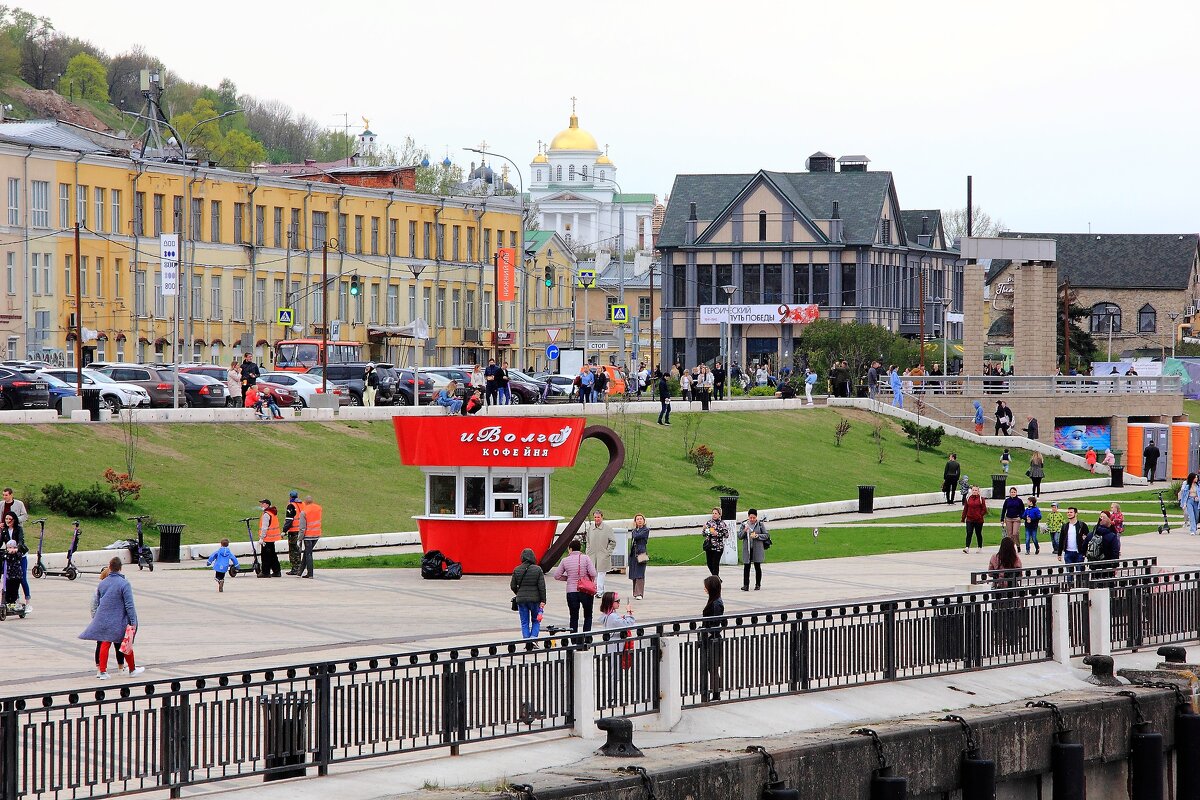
1070	115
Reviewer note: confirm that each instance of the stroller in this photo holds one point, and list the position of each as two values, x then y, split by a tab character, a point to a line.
8	608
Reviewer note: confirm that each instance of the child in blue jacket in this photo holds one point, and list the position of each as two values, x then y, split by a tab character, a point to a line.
221	561
1032	518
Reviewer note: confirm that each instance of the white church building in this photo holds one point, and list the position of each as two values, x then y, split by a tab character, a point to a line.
575	188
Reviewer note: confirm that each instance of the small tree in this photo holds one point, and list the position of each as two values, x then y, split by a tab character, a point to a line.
877	436
839	433
703	458
691	432
86	79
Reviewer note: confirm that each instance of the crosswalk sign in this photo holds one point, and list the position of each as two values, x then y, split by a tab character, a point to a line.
284	316
619	315
585	279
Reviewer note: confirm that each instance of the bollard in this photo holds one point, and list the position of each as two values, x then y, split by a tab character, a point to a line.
1145	756
1066	758
1173	654
885	784
774	788
978	774
1102	670
620	738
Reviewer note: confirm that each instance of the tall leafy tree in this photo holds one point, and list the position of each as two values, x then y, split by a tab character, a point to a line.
86	78
826	341
238	150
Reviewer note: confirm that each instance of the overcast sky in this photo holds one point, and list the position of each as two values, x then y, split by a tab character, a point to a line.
1066	112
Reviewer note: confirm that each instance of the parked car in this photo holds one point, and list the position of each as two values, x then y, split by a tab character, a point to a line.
214	371
159	388
58	389
306	386
349	376
114	394
463	376
200	391
406	381
20	390
284	396
524	390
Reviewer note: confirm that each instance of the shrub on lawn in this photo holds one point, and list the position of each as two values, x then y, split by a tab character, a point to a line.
93	501
927	436
762	391
122	485
703	458
736	391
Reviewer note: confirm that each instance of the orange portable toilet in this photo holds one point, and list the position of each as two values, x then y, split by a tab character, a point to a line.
1136	438
1185	449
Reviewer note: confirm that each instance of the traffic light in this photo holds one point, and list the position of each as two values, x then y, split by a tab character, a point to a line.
549	277
355	286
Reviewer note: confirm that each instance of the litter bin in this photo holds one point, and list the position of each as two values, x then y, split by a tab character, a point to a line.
729	507
999	484
168	542
1118	475
91	403
285	735
866	499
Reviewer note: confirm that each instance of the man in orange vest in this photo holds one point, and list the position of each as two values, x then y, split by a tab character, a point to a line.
268	535
310	529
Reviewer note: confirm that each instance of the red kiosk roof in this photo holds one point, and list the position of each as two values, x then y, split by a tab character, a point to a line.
526	442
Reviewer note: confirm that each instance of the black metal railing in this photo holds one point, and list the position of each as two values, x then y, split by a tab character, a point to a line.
1079	623
626	674
1066	576
771	654
1155	609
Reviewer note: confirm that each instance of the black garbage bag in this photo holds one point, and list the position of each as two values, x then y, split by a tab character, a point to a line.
453	570
433	565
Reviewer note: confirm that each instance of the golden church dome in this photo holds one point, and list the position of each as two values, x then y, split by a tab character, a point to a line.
540	158
603	159
574	138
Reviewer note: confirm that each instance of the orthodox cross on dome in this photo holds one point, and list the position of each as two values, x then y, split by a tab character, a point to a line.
573	104
539	147
606	148
483	145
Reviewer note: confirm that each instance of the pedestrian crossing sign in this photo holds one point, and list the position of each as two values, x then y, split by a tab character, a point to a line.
284	316
619	315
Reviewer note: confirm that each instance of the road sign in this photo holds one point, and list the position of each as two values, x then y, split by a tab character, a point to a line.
585	279
168	251
618	315
552	334
551	351
335	329
597	345
284	316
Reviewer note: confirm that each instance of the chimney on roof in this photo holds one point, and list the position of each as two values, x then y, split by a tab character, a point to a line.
310	162
835	223
691	211
837	214
689	236
853	163
924	224
819	162
925	238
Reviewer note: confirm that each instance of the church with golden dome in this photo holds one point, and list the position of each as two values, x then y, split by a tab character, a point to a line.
577	193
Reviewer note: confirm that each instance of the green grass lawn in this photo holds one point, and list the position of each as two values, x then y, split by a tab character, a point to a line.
208	476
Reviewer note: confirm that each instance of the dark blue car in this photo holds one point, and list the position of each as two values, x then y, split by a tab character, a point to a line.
58	390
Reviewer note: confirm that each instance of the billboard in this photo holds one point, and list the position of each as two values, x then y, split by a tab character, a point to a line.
1081	437
759	314
506	274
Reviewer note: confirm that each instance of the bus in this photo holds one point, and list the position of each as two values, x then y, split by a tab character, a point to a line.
299	355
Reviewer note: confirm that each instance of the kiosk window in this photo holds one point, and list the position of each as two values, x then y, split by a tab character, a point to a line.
443	494
474	495
506	494
537	495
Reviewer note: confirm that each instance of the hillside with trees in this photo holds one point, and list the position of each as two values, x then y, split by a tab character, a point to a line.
45	72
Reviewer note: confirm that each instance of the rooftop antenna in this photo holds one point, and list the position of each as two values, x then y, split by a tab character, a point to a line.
152	112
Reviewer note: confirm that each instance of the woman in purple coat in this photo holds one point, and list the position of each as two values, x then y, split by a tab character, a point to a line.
112	612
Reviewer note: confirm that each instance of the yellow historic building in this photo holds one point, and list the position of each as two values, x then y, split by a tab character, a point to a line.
252	245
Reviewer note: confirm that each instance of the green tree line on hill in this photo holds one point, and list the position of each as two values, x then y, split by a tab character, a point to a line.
35	52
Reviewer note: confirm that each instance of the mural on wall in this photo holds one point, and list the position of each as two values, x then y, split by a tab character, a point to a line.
1081	437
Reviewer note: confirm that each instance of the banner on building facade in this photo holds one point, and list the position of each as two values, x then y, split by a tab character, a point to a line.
759	314
506	274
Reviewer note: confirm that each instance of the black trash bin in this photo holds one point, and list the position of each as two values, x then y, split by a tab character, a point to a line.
168	542
729	507
866	499
999	484
91	402
285	735
1118	475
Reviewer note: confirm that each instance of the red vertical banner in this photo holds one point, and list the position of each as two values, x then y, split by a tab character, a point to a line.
506	274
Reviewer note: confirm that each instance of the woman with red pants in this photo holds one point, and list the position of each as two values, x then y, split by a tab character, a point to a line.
112	612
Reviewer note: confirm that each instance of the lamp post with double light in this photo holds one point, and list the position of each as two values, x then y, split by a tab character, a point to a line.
727	338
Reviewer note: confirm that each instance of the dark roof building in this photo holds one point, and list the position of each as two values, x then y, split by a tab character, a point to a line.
833	236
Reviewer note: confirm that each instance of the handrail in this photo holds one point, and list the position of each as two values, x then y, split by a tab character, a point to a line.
1070	571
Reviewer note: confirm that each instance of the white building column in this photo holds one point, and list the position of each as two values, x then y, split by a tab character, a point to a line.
1099	622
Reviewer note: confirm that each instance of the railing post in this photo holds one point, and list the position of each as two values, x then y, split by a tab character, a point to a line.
454	717
1099	622
324	720
9	751
670	683
798	657
174	743
1060	627
889	641
583	692
1135	595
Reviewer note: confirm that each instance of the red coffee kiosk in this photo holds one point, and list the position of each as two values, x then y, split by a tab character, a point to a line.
487	484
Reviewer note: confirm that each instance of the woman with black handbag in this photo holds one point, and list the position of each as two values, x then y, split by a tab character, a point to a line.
639	538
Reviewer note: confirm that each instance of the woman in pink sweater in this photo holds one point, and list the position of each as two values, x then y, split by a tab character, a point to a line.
570	569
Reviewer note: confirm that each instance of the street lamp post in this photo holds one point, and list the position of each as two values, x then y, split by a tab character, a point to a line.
945	335
521	256
727	338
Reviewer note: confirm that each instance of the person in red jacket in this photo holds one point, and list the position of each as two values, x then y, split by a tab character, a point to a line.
974	510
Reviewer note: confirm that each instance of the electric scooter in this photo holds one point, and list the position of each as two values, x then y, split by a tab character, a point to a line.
138	552
70	571
1166	526
257	567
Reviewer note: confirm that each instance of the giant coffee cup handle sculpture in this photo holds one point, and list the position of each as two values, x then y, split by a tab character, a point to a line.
616	458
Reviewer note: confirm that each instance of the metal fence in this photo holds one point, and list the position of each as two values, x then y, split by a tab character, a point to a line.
1155	609
1041	385
1067	576
626	675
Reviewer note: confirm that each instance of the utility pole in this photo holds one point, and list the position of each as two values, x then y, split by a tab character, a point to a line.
651	324
325	318
496	306
1067	326
921	311
78	320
